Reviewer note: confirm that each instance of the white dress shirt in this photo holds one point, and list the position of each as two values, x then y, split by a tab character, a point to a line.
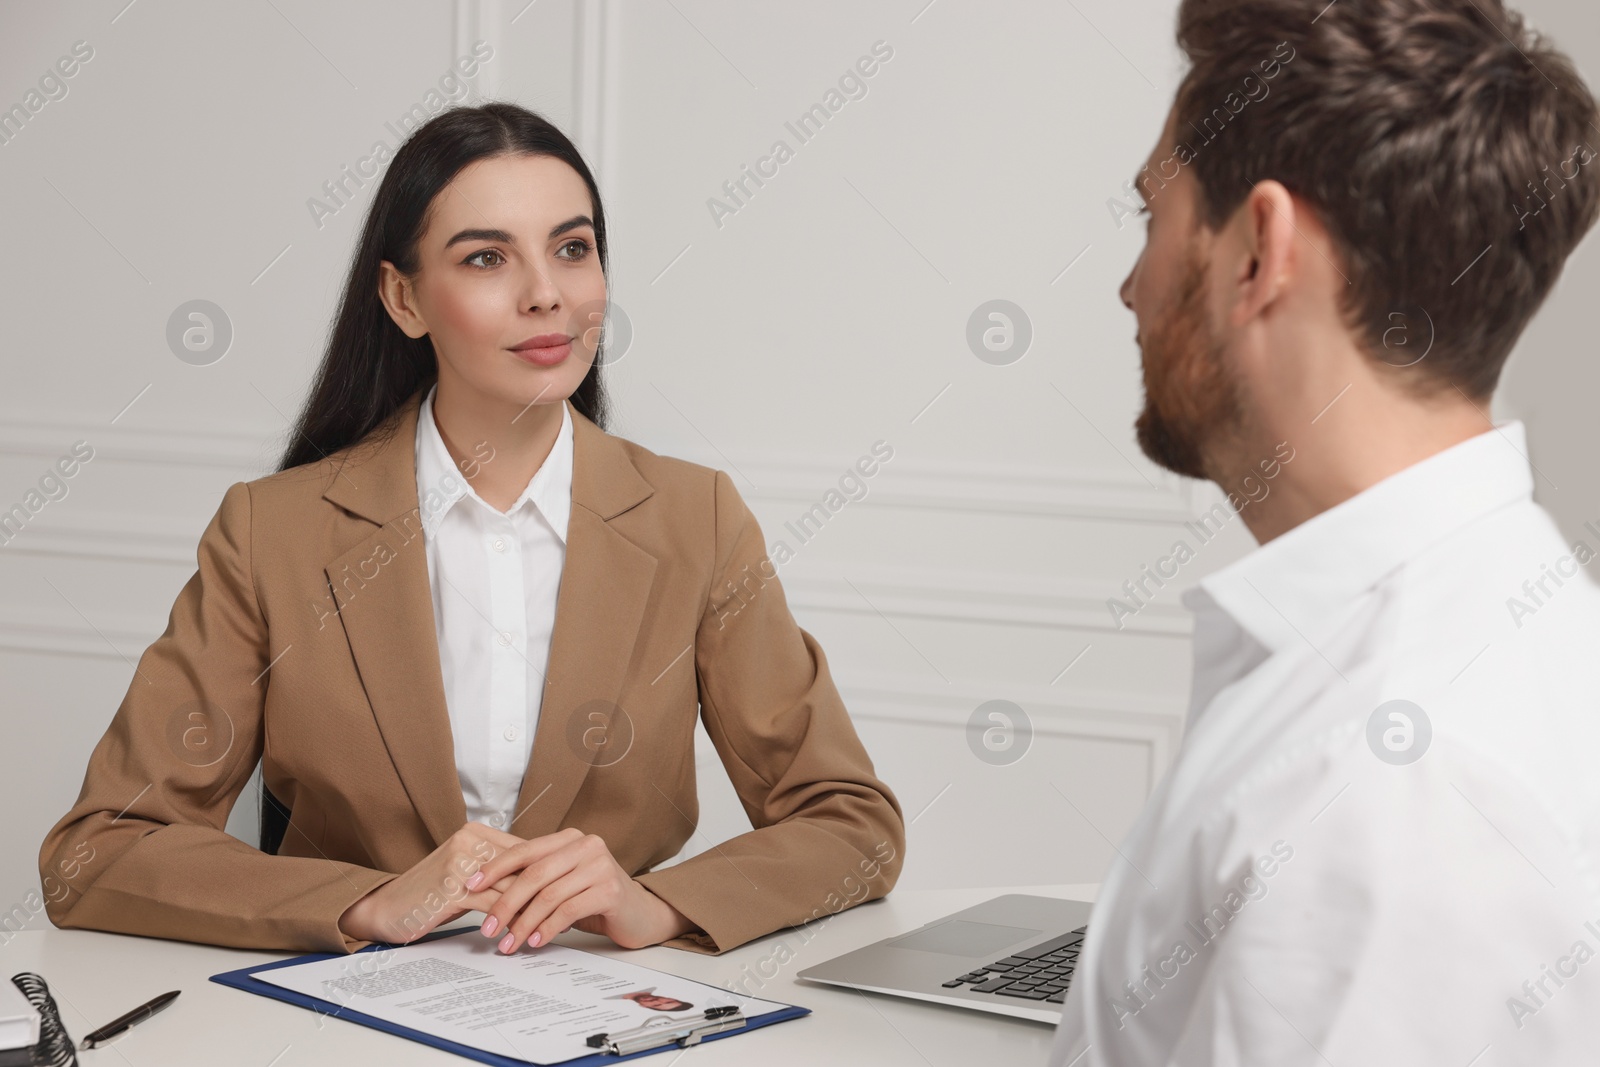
495	576
1295	892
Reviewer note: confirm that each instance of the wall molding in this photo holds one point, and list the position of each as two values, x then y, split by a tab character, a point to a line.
247	454
968	597
62	631
1137	718
905	698
981	486
594	89
986	486
594	70
1150	720
76	535
476	20
982	597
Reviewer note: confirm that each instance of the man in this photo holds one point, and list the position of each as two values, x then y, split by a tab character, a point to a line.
1379	842
649	998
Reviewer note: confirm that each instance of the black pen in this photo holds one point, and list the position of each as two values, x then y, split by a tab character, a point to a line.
122	1022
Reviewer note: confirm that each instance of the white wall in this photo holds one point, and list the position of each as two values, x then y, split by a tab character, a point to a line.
829	312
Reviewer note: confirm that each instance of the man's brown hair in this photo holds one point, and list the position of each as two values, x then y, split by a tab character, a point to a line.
1447	148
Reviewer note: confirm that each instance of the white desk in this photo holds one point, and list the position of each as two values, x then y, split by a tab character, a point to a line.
97	976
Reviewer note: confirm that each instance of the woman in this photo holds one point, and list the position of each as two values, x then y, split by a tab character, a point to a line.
467	632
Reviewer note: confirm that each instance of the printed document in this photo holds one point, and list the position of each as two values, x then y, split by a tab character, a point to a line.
539	1004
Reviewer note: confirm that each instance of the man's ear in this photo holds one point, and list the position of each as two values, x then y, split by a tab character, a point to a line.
1265	234
394	289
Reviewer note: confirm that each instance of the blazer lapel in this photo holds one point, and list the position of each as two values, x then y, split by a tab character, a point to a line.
385	601
605	584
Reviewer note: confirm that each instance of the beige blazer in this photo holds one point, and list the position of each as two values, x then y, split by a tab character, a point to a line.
306	640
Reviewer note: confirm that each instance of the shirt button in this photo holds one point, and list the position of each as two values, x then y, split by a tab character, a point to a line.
505	638
511	733
499	544
497	819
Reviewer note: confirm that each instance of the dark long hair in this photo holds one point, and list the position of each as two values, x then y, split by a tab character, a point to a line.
370	368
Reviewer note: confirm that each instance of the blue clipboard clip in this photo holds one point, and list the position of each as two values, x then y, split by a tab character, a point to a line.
683	1031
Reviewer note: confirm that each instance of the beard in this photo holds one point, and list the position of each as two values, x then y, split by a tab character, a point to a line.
1191	398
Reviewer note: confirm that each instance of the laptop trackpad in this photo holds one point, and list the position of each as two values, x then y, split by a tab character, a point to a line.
959	937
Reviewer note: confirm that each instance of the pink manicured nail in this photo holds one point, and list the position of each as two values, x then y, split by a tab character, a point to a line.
507	941
533	942
475	880
490	925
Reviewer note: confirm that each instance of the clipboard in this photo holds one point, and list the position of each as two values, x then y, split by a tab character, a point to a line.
243	979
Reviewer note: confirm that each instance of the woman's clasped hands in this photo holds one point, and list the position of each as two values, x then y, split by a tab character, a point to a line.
531	890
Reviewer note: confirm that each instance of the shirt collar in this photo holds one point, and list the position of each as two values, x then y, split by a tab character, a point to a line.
1294	586
440	484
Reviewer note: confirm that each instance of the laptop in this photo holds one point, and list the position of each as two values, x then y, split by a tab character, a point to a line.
1013	955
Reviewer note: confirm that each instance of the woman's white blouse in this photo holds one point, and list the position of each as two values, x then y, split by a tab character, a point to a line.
494	577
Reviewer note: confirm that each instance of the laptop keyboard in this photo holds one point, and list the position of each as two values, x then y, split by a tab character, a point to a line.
1038	973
